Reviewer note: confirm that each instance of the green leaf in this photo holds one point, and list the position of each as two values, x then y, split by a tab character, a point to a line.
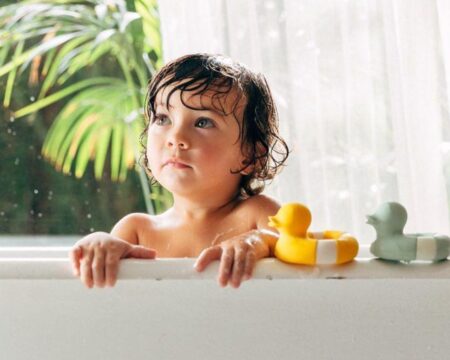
38	50
127	18
128	155
11	77
80	133
101	151
116	150
4	51
60	95
66	119
86	150
49	60
64	55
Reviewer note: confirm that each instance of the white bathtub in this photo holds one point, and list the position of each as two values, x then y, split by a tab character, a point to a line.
163	309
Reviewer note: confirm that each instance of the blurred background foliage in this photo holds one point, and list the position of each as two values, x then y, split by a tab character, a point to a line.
72	83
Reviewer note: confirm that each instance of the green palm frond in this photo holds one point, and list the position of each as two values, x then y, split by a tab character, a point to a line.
58	39
89	125
69	90
81	33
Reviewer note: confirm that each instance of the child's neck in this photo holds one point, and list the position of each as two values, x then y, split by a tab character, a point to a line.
203	209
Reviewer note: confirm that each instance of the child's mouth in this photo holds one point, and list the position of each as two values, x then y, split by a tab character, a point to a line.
174	163
178	165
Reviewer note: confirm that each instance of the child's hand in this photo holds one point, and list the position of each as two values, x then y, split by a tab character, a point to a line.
96	258
237	255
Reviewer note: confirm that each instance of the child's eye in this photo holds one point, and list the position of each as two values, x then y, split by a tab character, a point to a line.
159	119
204	123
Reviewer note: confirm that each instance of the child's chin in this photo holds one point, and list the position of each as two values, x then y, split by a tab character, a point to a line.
179	186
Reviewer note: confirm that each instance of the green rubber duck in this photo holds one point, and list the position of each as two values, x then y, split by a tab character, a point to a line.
392	244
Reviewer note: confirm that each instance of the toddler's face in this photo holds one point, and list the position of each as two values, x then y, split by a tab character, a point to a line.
192	151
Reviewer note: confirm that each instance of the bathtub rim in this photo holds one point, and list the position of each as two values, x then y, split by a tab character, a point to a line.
53	263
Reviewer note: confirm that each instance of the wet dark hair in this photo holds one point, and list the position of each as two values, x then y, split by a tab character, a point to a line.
260	141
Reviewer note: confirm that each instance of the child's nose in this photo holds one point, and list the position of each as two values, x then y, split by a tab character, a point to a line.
178	139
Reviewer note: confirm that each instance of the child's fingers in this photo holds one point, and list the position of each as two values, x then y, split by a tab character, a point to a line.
250	261
75	255
111	269
142	252
98	266
238	266
226	263
86	268
206	256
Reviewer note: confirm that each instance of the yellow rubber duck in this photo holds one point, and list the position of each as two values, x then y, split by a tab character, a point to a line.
298	246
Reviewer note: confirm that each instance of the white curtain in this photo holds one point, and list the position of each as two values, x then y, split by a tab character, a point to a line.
363	92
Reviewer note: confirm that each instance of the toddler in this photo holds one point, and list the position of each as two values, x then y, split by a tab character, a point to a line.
211	140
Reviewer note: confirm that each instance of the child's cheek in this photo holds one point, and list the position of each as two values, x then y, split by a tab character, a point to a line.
209	157
154	156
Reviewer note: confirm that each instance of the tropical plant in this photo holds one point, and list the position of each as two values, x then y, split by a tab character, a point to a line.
58	41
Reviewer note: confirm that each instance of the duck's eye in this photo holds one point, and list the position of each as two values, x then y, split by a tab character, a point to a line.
160	119
204	123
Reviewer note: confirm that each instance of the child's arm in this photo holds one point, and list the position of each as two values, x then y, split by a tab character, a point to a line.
264	207
95	258
269	237
239	254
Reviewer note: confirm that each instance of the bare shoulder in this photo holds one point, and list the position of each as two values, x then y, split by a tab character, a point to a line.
261	207
263	202
132	227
